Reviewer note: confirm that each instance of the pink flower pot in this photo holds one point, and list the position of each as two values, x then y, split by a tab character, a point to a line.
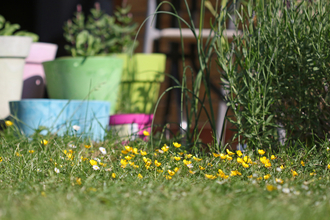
34	76
131	124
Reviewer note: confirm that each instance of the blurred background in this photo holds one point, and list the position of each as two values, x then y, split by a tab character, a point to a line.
46	18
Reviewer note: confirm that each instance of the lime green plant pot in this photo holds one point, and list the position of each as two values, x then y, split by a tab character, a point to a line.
140	84
92	78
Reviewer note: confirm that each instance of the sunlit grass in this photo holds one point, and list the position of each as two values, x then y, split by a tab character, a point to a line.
67	178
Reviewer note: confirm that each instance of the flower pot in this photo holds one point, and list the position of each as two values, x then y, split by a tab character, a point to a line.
58	116
13	51
140	84
34	76
130	125
92	78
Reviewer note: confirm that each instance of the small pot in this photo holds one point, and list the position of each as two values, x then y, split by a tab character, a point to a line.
131	125
34	76
58	116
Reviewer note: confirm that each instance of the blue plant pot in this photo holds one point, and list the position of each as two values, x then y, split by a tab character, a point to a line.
58	116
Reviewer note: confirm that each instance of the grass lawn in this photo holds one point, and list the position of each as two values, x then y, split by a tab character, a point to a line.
47	177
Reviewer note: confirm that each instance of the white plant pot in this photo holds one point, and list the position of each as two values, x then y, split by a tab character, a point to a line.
13	51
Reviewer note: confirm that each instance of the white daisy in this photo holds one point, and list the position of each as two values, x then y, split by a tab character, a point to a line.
190	166
95	167
56	170
76	127
103	151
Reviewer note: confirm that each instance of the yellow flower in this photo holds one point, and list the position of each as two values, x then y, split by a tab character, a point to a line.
192	172
280	181
328	166
272	157
270	187
210	176
165	148
229	158
209	164
128	148
143	153
8	123
176	169
245	165
282	167
201	168
188	163
197	159
294	173
177	158
216	155
128	157
78	181
239	153
302	163
31	151
230	153
113	175
188	156
146	133
135	151
171	173
235	173
259	178
17	154
0	159
268	164
140	176
87	146
160	171
249	176
93	162
43	194
312	174
261	152
44	142
168	177
223	156
240	160
266	177
157	164
177	145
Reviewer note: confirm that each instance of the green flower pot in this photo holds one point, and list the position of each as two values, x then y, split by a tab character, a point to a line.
92	78
140	84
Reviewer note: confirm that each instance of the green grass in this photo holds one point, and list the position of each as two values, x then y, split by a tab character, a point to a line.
31	189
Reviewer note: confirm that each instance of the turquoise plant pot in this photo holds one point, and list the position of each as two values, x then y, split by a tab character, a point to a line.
59	116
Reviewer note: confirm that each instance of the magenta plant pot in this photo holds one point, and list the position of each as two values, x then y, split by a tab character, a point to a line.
34	76
131	124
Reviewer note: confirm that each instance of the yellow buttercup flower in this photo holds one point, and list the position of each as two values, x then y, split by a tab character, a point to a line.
192	172
177	158
176	169
123	163
229	158
8	123
44	142
177	145
201	168
160	171
294	173
197	159
210	176
239	153
78	181
140	176
135	151
266	177
168	177
223	156
245	165
268	164
240	160
17	154
128	148
216	155
282	167
188	156
143	153
230	153
93	162
280	181
165	148
128	158
31	151
113	175
157	164
146	133
261	152
0	159
302	163
270	187
272	157
235	173
87	146
124	152
171	173
328	166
